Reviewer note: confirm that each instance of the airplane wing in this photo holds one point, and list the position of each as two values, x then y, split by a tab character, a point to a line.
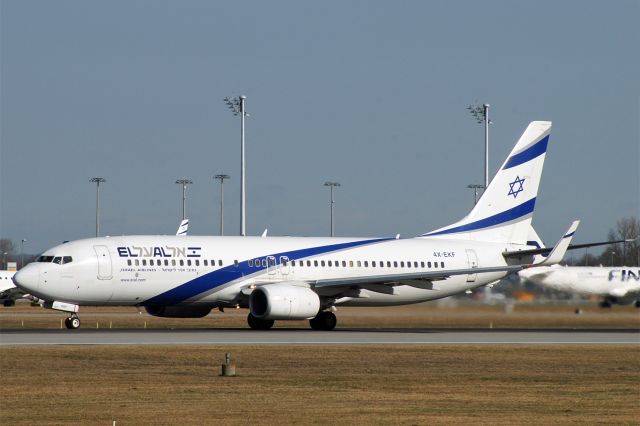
411	278
623	293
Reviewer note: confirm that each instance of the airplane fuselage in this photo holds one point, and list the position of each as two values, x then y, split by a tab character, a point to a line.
168	270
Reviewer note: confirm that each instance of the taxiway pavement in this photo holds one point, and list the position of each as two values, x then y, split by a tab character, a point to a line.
303	336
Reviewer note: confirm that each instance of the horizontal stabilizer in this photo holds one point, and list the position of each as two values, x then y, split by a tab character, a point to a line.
546	250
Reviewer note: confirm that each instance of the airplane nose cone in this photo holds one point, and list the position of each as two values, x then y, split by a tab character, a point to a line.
27	279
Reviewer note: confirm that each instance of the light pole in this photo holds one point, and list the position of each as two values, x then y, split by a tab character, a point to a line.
331	185
221	178
22	241
475	188
236	105
4	257
98	181
184	182
613	253
481	114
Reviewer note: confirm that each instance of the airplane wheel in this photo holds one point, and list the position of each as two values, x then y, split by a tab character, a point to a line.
259	324
324	321
8	303
637	303
72	323
605	304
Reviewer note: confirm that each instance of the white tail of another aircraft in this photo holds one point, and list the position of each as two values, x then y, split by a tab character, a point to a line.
183	228
504	212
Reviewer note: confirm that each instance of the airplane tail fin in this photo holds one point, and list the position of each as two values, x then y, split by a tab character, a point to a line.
505	210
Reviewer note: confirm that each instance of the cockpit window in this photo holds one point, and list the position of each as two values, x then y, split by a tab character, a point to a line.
60	260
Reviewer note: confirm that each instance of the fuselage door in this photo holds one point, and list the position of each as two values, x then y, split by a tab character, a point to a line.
104	262
271	265
473	263
285	267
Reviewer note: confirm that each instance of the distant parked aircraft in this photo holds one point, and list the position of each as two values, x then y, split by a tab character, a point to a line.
620	284
9	293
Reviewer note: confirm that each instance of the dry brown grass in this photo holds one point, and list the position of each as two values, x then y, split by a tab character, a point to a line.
321	385
412	316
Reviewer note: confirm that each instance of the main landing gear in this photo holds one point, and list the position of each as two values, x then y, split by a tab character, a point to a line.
325	320
73	322
259	324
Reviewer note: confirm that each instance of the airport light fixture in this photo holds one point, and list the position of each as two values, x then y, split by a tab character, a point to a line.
221	178
475	188
481	114
184	182
97	181
236	105
331	185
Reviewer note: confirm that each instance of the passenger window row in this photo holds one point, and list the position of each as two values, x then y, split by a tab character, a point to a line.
271	261
173	262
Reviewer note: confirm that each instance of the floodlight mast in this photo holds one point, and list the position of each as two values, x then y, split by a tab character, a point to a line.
331	185
221	178
475	188
481	114
97	181
22	241
236	105
184	182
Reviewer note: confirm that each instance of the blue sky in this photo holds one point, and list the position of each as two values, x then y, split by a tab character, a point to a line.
368	93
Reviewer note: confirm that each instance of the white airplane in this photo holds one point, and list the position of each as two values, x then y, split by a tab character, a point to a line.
9	293
293	278
619	285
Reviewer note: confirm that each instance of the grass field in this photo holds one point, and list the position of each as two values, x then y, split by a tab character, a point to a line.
472	315
407	385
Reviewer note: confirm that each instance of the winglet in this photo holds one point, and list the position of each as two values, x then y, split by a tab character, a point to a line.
561	247
182	229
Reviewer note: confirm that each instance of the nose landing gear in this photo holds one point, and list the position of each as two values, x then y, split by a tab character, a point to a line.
73	322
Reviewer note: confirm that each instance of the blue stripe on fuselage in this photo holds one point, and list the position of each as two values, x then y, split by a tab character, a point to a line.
497	219
528	154
232	272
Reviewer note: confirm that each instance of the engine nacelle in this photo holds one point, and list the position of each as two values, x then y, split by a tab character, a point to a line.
283	302
178	311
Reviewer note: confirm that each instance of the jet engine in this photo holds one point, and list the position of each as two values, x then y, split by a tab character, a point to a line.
283	302
178	311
